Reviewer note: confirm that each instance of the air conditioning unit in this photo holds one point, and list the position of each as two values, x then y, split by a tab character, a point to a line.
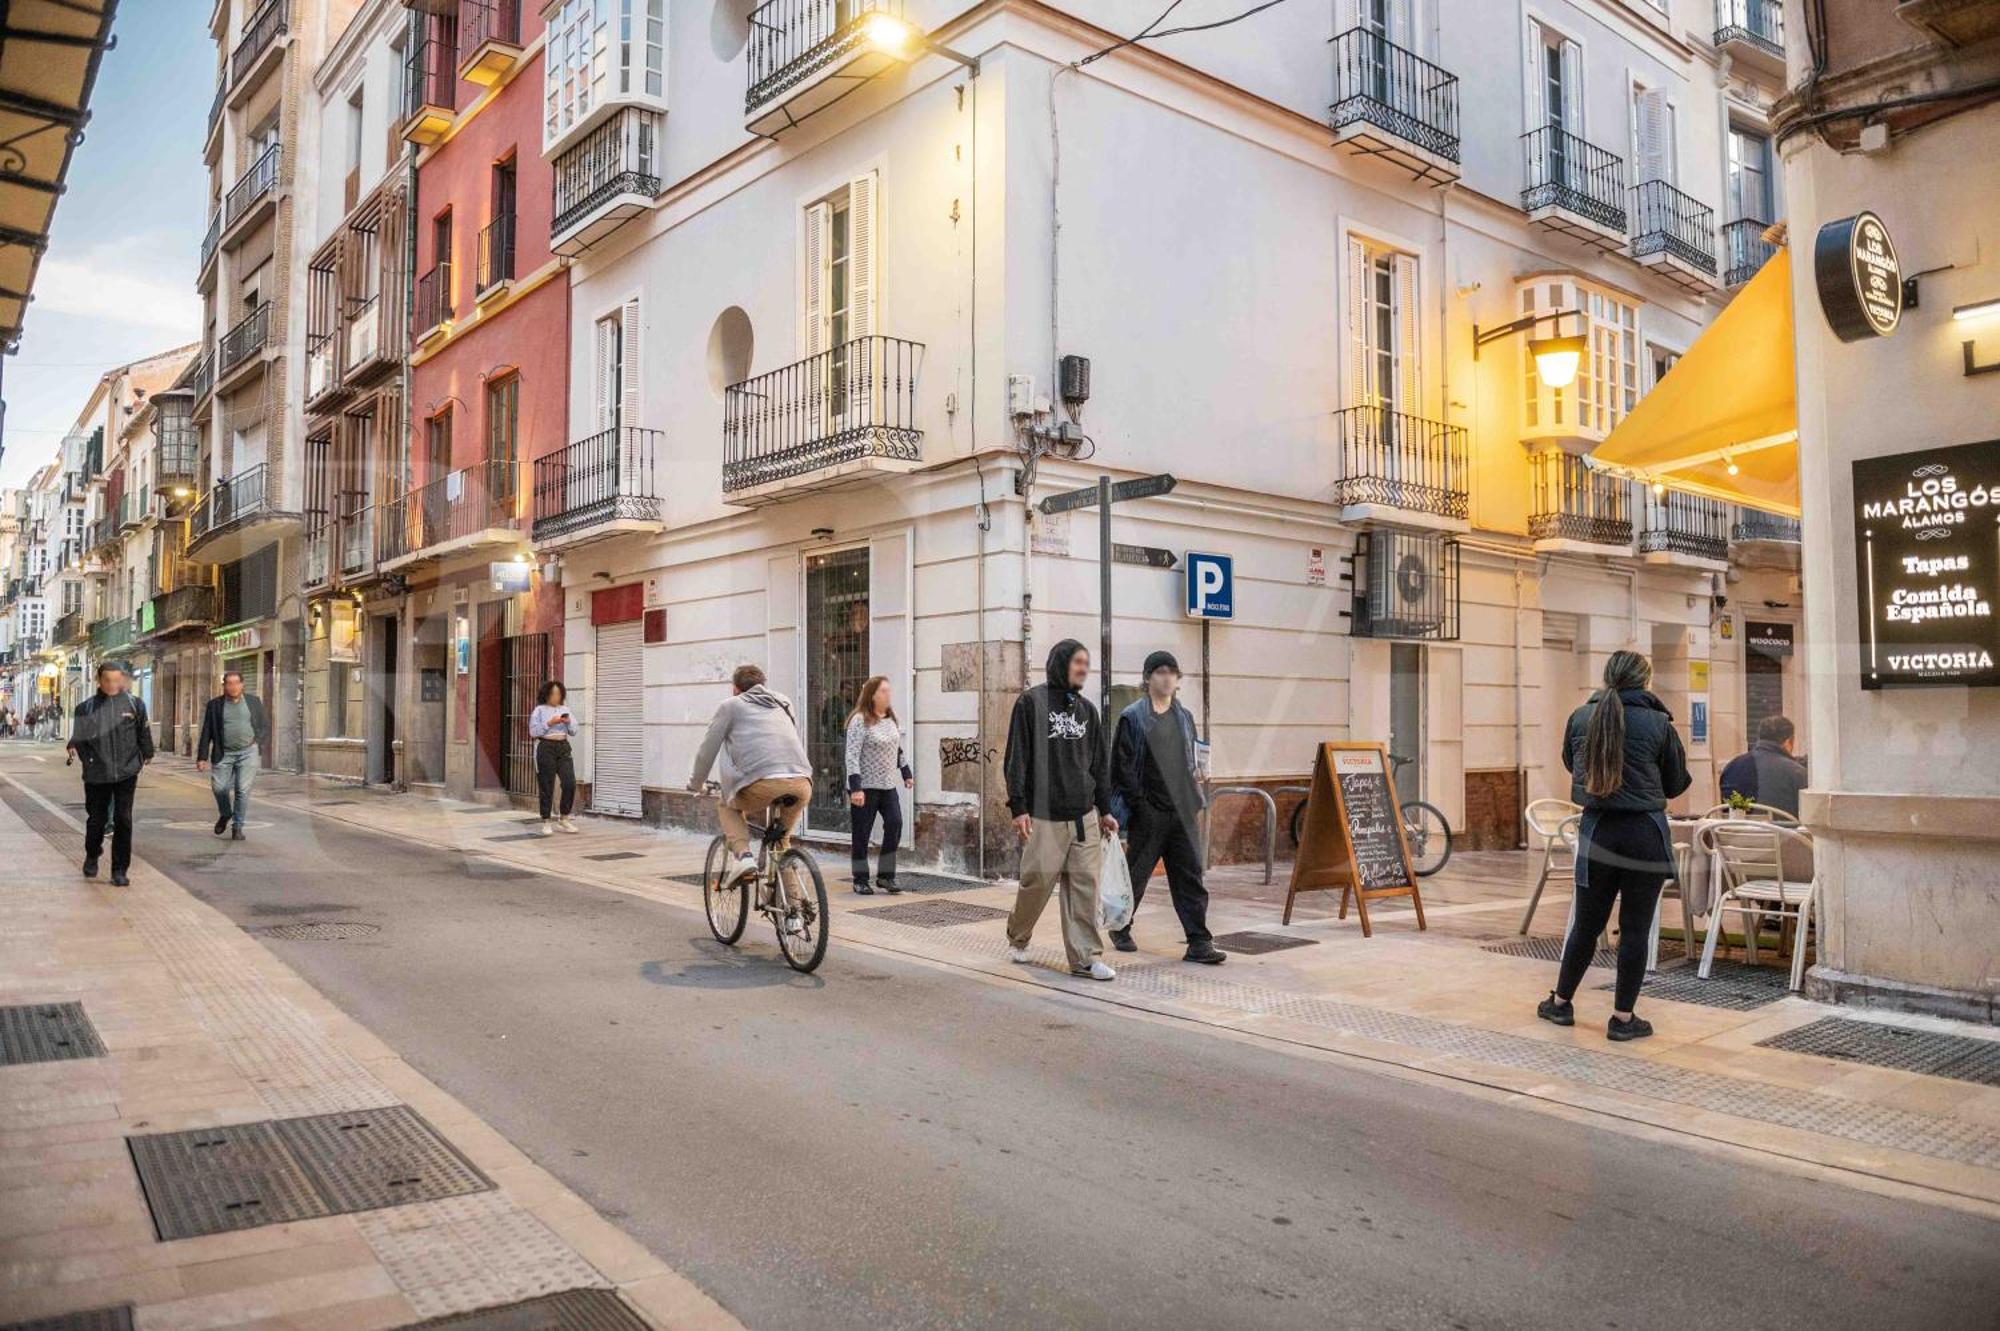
1406	585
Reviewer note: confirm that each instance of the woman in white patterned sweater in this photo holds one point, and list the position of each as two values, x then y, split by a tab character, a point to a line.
876	766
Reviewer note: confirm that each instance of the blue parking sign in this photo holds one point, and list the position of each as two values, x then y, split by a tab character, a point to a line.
1211	586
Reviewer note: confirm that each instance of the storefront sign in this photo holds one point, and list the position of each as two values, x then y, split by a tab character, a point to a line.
235	642
1927	541
509	576
1860	282
1767	637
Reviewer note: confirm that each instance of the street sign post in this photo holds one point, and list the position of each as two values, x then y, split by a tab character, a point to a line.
1104	494
1147	556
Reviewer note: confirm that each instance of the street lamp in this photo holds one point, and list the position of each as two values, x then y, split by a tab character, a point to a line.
898	39
1557	358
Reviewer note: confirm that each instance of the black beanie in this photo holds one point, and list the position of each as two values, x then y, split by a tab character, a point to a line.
1158	659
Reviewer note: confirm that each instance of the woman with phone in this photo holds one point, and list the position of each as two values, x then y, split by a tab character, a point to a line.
550	725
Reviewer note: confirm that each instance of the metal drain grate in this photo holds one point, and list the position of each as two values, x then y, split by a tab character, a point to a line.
1731	985
930	884
935	914
571	1310
1959	1057
481	868
46	1032
367	1158
617	855
687	879
517	836
321	931
214	1180
1551	949
1251	943
329	804
97	1319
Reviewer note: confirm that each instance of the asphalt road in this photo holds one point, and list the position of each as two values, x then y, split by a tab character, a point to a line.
888	1145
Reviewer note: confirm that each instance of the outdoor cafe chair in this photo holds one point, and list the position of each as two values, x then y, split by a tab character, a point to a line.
1555	822
1757	812
1749	855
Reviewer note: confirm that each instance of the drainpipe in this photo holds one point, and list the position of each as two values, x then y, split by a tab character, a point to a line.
1520	735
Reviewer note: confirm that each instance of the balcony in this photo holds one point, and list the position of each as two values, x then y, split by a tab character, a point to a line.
1764	540
204	380
257	50
316	552
845	415
133	509
489	40
365	352
1752	32
1389	103
110	635
597	487
356	549
211	139
496	256
210	241
806	55
433	301
101	533
607	178
1578	508
242	348
178	457
70	630
469	511
1674	236
1684	529
323	382
430	90
1744	250
190	606
1574	187
1403	469
254	195
236	517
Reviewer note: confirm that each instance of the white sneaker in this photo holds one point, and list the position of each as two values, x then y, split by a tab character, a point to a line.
565	825
1018	955
546	829
1097	971
744	866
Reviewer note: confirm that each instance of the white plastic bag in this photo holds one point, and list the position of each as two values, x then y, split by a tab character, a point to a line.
1114	886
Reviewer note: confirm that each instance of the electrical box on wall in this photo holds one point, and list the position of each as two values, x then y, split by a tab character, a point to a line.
1075	379
1020	395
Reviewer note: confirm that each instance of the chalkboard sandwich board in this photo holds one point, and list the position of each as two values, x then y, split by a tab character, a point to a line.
1353	834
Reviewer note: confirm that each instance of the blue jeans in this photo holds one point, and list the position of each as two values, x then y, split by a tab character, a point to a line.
231	777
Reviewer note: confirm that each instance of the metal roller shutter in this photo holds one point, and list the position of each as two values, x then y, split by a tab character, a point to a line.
618	747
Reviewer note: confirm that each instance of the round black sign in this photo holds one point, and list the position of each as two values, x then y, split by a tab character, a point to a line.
1860	282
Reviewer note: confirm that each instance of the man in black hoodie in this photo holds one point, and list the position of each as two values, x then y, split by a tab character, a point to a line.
112	736
1060	795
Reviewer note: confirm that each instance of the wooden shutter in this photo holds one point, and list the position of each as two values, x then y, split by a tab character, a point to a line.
604	371
817	249
1409	336
628	365
1572	77
1652	136
1356	388
862	207
1531	66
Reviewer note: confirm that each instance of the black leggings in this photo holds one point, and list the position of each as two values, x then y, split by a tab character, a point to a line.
1624	865
888	803
553	763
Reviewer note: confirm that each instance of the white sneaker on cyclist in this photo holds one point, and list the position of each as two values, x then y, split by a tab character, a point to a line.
1018	955
745	865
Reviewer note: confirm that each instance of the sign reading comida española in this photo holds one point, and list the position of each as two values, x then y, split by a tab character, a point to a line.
1927	538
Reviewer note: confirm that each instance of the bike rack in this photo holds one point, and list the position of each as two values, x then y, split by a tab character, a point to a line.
1270	823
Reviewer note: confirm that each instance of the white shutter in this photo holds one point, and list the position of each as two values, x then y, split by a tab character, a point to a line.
628	365
1356	387
1531	65
863	205
817	248
1572	76
618	729
1409	337
1402	23
1652	136
1347	16
604	371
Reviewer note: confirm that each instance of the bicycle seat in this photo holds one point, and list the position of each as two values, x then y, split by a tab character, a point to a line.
784	801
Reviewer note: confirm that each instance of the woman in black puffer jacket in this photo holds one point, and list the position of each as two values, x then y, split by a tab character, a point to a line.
1625	762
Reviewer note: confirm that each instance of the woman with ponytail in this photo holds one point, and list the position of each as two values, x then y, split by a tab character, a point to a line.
1625	762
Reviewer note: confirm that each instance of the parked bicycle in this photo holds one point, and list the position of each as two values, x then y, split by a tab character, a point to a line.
789	889
1424	826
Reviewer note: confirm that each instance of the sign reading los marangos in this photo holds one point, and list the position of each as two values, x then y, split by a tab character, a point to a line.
1927	535
1859	278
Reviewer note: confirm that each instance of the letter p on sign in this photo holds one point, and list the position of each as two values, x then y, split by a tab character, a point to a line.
1211	586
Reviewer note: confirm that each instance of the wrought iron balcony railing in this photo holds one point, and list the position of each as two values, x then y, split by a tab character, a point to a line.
1685	524
608	477
1760	23
111	633
102	532
1756	525
1574	501
792	40
71	628
1398	92
215	106
483	497
251	335
430	78
242	496
1396	460
316	551
264	28
620	156
1744	250
258	180
132	508
433	301
210	240
857	400
483	21
1575	175
204	375
357	542
1666	221
191	605
496	253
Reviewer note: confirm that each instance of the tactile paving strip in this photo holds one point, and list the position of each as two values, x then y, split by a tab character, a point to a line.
369	1158
1731	985
1251	943
471	1252
1959	1057
46	1032
214	1180
97	1319
935	914
571	1310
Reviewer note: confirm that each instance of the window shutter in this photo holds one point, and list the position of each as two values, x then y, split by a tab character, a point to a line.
1652	127
1572	76
1356	371
862	209
1409	337
1531	67
812	278
1402	22
1347	16
628	357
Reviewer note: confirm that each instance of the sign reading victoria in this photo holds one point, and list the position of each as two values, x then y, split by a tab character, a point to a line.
1927	537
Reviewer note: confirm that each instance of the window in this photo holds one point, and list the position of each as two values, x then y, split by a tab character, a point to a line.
840	268
1383	324
609	382
1663	359
437	446
600	49
503	426
1554	80
1750	193
1607	381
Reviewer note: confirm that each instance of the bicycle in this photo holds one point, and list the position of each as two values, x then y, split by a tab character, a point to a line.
1424	826
792	895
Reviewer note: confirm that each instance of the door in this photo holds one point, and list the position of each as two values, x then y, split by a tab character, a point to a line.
618	730
524	665
1383	360
382	702
837	664
1763	690
490	696
1750	194
1406	716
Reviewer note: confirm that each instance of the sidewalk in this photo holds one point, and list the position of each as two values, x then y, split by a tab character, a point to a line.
1435	1004
202	1028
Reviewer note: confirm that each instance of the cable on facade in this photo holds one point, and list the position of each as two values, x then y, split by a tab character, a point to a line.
1150	33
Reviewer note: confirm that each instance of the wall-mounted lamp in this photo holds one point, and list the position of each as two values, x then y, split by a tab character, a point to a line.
1557	358
895	37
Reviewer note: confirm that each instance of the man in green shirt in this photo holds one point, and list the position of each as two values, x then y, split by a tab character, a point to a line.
232	731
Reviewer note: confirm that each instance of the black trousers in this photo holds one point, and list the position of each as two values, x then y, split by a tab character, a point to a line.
861	818
553	763
1155	835
112	801
1624	867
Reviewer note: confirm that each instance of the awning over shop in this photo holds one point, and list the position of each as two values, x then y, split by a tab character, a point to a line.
1731	401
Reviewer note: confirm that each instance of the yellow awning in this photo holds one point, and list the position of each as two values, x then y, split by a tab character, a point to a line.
1732	399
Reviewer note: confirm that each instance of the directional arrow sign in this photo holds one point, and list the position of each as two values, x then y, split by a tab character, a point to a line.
1152	556
1143	488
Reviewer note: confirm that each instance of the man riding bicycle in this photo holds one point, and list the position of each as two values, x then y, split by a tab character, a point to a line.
763	760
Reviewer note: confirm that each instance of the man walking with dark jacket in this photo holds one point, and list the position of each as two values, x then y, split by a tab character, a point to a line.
1060	798
111	734
1768	773
1156	796
232	734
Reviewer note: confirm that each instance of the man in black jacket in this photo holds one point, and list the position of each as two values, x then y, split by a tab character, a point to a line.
232	735
111	734
1157	797
1058	792
1768	773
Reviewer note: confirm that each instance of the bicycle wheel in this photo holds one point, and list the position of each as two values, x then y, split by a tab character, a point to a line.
727	907
1429	836
805	893
1298	823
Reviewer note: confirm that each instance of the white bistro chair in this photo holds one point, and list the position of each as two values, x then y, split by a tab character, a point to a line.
1555	822
1763	813
1749	858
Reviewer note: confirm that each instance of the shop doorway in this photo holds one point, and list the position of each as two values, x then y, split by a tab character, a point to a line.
423	751
524	664
837	618
617	721
1763	690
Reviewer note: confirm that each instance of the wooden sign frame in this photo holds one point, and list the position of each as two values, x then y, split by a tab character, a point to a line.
1326	851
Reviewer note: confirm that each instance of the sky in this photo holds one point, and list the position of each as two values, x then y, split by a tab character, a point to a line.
117	282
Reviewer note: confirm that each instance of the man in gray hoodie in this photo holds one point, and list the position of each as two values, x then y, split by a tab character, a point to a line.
763	759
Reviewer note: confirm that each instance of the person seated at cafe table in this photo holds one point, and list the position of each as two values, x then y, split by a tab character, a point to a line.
1768	773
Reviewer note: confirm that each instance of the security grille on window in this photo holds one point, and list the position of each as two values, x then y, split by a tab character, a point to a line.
1406	585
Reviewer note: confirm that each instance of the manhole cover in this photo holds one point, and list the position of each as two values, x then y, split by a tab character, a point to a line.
1551	949
517	836
214	1180
933	883
1959	1057
935	914
45	1032
321	931
617	855
1251	943
97	1319
571	1310
369	1158
1731	985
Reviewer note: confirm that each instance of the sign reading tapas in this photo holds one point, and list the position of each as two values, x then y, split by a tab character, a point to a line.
1927	537
1859	278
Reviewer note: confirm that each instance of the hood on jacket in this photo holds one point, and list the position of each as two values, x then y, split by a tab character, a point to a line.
759	696
1060	656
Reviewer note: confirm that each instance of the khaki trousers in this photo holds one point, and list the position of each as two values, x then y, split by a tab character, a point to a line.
755	798
1054	855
